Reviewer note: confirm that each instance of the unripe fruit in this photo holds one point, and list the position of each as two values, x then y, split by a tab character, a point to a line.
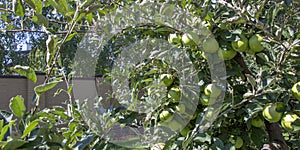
255	43
190	38
287	120
240	45
226	54
239	142
257	122
165	116
180	108
210	45
296	91
270	113
206	100
174	94
212	90
209	113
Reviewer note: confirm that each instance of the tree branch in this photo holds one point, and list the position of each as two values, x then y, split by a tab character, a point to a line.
277	141
239	59
7	10
39	31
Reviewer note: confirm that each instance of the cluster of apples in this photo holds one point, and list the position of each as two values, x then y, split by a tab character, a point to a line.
166	116
225	51
274	112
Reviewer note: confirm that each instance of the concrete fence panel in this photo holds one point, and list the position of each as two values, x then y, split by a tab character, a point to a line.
13	85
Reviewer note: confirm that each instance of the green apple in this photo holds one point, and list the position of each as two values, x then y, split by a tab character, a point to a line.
165	116
257	122
226	54
210	45
240	45
204	100
270	113
287	120
174	94
255	43
296	91
209	113
212	90
174	38
238	142
190	38
194	116
167	79
180	108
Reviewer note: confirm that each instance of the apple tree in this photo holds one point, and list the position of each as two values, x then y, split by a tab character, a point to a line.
258	41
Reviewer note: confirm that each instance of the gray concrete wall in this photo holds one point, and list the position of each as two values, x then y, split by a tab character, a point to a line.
13	85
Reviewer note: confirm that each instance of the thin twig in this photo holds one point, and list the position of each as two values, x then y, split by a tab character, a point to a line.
7	10
40	31
63	41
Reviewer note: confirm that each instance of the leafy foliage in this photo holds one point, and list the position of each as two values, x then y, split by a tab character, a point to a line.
254	78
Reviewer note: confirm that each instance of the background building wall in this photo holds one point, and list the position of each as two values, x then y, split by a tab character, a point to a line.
13	85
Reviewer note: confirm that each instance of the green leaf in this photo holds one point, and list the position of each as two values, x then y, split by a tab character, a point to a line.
218	144
45	87
17	106
251	80
40	20
5	129
51	49
26	71
70	89
58	91
71	36
202	137
89	17
38	6
86	140
280	107
80	16
19	8
30	127
30	3
14	144
262	58
60	5
64	4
